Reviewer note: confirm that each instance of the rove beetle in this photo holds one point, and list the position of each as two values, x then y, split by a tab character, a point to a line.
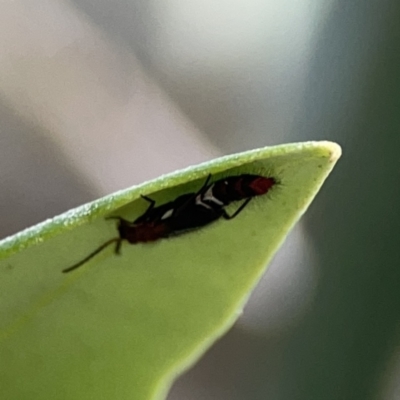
187	212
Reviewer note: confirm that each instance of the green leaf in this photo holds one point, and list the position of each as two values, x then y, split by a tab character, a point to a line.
125	327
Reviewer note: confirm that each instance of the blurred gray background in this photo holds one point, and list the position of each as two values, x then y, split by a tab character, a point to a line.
100	95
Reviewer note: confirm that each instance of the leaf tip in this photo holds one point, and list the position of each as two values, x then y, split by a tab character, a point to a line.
334	149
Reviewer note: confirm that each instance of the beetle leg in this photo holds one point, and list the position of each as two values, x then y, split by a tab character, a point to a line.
151	201
118	247
236	213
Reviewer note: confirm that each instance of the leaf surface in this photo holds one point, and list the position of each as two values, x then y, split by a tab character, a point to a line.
125	327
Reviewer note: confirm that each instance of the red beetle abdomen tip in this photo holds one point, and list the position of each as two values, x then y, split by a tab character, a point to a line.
261	185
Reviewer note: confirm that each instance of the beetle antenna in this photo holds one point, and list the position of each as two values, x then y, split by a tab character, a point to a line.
91	255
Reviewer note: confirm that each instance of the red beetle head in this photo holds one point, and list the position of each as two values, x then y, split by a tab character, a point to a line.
261	185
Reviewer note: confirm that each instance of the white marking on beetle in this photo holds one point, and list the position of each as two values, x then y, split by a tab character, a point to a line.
209	196
199	202
168	214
